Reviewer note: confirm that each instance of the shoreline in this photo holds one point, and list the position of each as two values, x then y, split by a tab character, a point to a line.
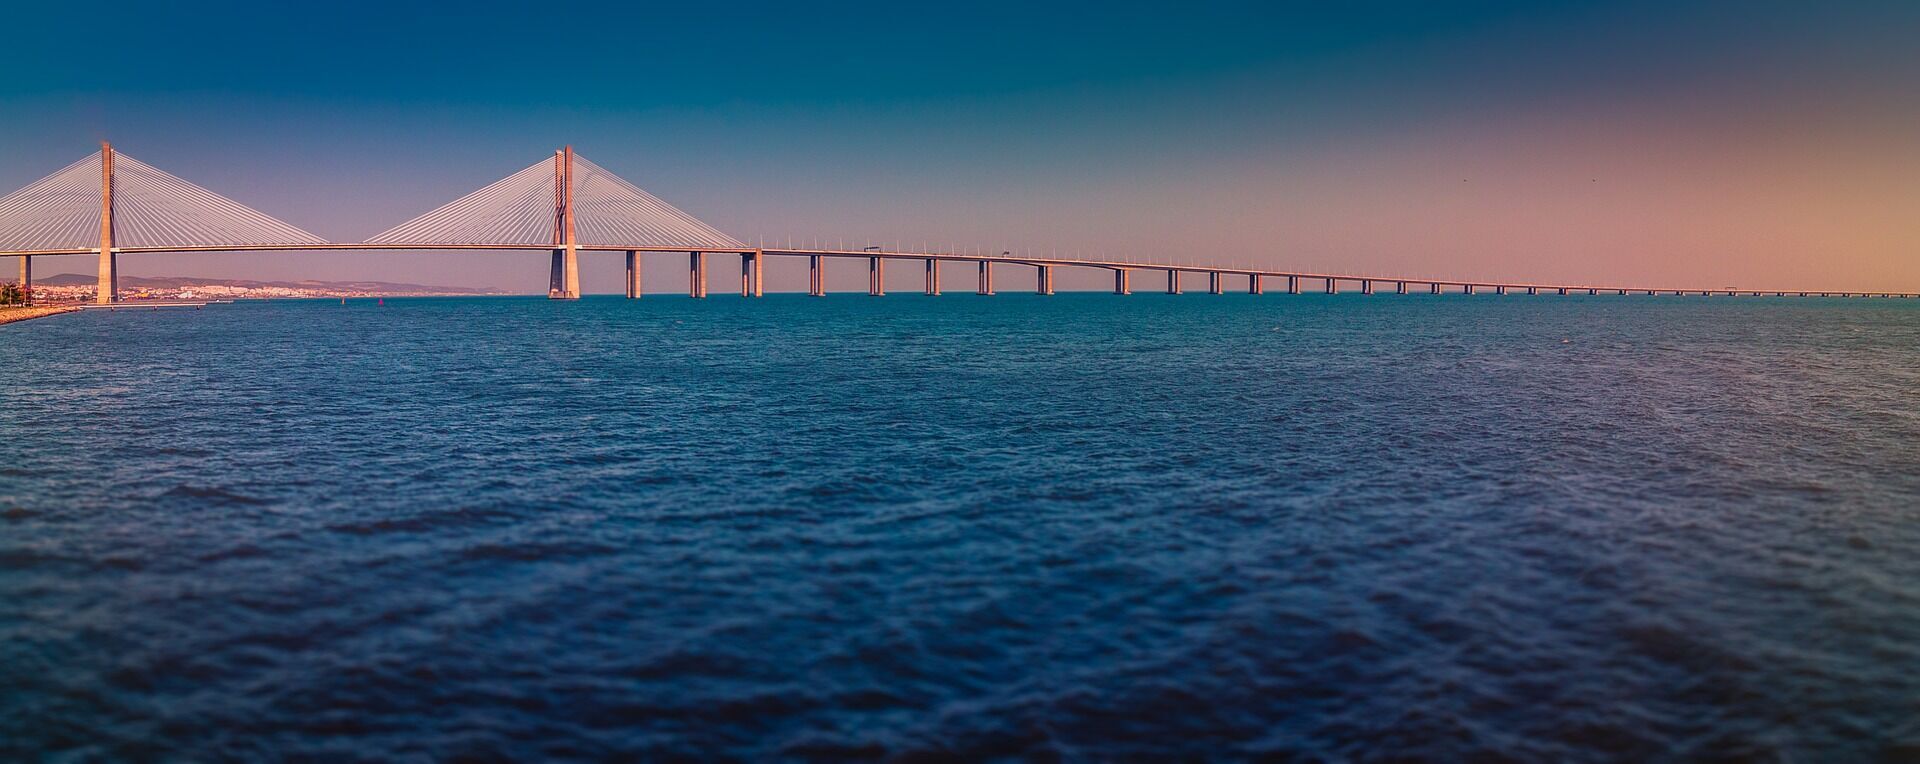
10	315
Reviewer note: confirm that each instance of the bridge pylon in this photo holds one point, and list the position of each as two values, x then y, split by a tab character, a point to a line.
564	280
108	290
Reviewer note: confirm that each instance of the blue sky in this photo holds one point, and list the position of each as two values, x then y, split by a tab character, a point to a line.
1301	134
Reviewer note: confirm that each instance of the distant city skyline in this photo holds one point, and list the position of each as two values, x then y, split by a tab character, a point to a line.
1757	144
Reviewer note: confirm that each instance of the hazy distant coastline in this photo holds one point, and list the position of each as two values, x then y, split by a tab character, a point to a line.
72	287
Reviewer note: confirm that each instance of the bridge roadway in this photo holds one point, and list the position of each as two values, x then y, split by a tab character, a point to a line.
753	261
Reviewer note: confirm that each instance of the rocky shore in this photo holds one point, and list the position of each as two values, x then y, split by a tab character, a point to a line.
11	314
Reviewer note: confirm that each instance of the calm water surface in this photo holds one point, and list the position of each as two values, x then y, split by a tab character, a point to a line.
1083	527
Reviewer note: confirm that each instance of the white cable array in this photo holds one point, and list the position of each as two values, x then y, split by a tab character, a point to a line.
151	208
517	209
154	208
608	210
60	211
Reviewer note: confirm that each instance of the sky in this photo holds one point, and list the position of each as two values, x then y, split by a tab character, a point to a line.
1755	144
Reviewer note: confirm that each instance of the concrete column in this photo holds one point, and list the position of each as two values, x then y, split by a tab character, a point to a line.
696	274
746	275
1433	288
1366	286
633	274
26	279
1213	282
573	272
107	290
816	276
759	273
1333	286
1562	291
1254	286
1500	290
1173	281
1122	281
1531	291
876	276
1593	293
985	286
1293	285
1044	278
1399	287
933	277
1467	289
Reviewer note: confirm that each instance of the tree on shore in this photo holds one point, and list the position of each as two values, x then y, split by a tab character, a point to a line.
12	294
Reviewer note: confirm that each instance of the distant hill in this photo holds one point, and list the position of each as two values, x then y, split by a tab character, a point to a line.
176	282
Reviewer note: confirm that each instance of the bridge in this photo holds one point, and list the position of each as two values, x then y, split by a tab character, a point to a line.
109	204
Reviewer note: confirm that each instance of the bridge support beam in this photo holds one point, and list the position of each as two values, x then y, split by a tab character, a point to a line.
816	276
1293	285
933	278
1399	287
1531	291
1466	289
1044	277
633	275
1500	290
1213	283
1434	288
696	274
1366	286
1253	284
1122	281
1173	281
759	273
1333	285
985	287
746	275
26	278
876	276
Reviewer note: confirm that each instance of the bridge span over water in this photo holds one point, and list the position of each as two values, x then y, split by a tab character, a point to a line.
107	205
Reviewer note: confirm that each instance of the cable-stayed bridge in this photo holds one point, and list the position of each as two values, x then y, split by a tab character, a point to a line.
109	204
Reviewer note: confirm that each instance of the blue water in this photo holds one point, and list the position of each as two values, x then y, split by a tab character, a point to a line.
1084	527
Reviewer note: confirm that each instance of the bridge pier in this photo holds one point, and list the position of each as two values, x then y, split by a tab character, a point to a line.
1366	286
1399	287
815	287
26	278
1173	281
876	276
1213	283
1293	285
1122	281
696	274
1333	287
1433	288
1531	291
986	279
1500	290
759	273
1466	289
933	278
1253	284
633	275
1045	279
